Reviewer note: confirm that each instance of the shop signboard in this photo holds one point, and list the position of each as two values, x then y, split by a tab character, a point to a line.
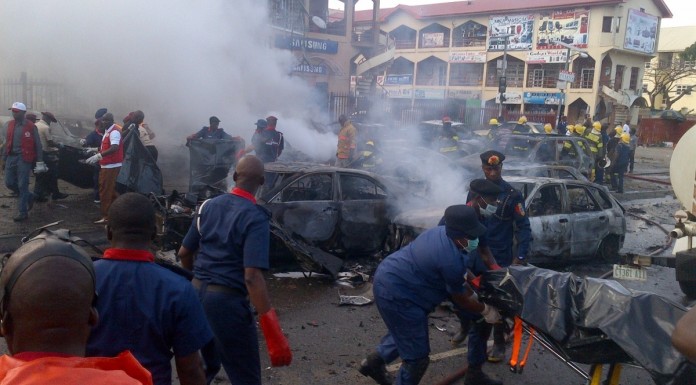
429	93
317	69
399	92
542	98
566	76
463	94
553	56
405	79
510	98
307	43
519	27
432	39
568	26
641	32
467	57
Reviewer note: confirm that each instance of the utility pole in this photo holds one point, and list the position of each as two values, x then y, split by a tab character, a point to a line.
562	81
502	80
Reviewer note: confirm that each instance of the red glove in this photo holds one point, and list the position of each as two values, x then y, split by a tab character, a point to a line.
476	282
496	267
277	344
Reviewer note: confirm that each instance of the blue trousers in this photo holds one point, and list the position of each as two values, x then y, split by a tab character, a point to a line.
407	335
17	173
237	345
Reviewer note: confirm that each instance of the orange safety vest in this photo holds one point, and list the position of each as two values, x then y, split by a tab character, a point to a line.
346	141
123	369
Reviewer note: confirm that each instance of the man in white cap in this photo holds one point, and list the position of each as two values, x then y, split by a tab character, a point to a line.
22	149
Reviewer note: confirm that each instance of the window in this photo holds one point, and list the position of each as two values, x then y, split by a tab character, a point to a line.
355	187
466	74
586	77
580	200
647	65
538	78
683	89
633	83
470	34
601	197
547	201
645	88
314	187
607	21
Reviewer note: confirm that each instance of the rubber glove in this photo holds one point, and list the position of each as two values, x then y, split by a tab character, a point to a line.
83	141
40	168
496	267
490	314
278	348
476	282
94	159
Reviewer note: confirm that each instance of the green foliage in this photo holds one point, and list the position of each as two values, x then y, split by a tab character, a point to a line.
689	53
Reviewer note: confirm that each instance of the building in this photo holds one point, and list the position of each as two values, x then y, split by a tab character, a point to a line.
673	41
454	54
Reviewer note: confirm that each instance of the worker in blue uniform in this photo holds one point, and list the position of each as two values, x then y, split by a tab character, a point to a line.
232	235
510	221
408	285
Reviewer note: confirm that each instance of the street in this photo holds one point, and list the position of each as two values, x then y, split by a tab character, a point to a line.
328	341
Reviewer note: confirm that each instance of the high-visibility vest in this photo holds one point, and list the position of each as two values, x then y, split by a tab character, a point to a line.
595	140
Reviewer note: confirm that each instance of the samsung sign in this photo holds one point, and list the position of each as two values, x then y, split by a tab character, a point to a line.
310	69
308	44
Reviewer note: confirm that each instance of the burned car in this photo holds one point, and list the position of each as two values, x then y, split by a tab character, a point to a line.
548	171
570	220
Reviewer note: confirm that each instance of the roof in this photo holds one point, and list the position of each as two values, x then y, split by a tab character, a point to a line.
428	11
674	39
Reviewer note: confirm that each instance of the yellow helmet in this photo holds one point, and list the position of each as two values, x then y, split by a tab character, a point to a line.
618	130
548	128
580	129
570	128
522	120
626	137
493	122
370	143
597	126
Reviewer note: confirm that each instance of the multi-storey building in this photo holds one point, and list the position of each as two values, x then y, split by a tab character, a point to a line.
459	51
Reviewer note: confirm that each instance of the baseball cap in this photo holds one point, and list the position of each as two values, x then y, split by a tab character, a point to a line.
214	119
462	221
18	106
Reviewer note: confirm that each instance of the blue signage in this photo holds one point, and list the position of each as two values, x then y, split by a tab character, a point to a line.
542	98
310	69
306	43
399	79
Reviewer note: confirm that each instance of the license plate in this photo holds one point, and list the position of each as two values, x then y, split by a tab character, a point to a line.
630	273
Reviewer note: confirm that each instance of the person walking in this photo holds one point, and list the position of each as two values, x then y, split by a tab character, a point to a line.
109	157
231	235
47	182
22	149
347	143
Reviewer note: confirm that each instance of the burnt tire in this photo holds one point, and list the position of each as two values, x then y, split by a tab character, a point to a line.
688	288
608	250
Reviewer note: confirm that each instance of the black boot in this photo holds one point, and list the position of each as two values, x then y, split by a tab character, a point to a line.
373	366
476	376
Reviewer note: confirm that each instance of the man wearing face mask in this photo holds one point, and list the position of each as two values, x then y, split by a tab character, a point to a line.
408	285
509	221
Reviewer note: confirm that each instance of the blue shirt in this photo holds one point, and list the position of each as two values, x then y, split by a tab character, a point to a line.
148	310
234	234
426	271
206	133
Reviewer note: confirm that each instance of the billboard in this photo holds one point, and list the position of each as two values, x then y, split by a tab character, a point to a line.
569	26
520	27
641	32
467	57
547	56
433	39
542	98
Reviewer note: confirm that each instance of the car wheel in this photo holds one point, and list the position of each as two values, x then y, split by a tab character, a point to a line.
608	250
688	288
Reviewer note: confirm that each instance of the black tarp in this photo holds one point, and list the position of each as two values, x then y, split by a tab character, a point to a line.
139	171
210	162
594	320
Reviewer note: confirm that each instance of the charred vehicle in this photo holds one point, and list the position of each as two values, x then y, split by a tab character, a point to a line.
570	220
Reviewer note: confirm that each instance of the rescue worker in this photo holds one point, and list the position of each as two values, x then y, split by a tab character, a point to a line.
508	223
411	282
580	132
93	140
447	141
214	131
570	130
614	139
548	129
369	156
562	125
498	135
347	145
623	155
47	182
266	141
568	150
521	126
594	137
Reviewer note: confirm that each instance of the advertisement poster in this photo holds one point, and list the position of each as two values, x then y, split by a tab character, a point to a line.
521	27
547	57
467	57
510	98
641	32
464	94
406	79
429	93
568	26
399	93
435	39
542	98
470	34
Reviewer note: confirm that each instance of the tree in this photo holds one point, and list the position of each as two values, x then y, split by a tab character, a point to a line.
663	77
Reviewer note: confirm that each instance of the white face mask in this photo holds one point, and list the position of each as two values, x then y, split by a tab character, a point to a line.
489	211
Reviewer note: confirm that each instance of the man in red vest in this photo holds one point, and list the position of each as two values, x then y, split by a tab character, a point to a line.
22	149
109	157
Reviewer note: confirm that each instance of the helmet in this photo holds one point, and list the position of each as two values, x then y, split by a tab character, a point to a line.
570	128
493	122
597	125
580	129
370	143
548	128
618	130
626	137
522	120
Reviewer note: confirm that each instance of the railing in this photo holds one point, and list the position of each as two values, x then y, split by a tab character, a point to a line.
470	42
475	81
512	81
548	81
405	44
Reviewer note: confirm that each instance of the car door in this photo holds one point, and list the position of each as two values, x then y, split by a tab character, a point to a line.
307	207
549	220
588	221
363	219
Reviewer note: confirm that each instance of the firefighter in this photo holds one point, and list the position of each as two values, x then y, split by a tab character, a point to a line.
594	137
548	129
521	126
369	156
498	135
448	139
580	132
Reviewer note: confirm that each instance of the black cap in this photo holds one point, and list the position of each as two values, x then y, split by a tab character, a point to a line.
100	112
261	123
214	119
492	158
484	187
462	221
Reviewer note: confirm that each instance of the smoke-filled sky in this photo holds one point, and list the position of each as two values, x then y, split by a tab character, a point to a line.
178	61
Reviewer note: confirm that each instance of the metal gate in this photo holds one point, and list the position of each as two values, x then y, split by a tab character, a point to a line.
38	95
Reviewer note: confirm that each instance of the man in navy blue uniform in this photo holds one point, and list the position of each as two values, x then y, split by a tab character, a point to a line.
210	132
510	217
232	236
146	308
408	285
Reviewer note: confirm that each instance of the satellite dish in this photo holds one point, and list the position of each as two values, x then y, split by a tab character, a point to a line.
682	169
319	22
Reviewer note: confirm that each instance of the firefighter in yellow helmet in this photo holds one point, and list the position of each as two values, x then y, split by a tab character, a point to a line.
448	140
369	156
594	137
521	127
621	163
499	135
548	129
